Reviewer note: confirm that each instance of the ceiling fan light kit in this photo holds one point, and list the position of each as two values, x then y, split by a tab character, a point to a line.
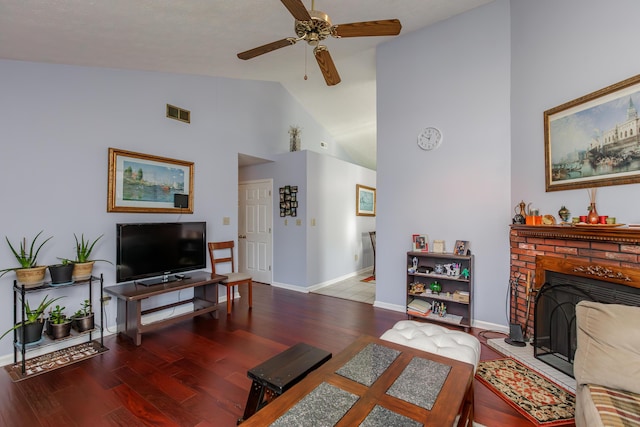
314	26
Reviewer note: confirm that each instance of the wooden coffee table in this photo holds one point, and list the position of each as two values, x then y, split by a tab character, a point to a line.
376	380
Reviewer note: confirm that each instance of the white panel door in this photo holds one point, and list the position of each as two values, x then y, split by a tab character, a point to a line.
254	229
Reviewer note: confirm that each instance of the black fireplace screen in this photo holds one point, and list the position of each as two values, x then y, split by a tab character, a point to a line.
554	327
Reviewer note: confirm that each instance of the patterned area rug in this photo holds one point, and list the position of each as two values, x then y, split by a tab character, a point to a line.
370	279
54	360
538	399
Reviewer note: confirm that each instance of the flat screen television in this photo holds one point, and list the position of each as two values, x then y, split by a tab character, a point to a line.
146	250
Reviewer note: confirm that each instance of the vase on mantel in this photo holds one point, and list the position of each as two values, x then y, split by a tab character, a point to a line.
592	218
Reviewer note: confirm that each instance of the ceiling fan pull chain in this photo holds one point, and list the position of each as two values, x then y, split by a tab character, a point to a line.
305	62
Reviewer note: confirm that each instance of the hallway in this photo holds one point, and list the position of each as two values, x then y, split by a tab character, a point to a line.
353	289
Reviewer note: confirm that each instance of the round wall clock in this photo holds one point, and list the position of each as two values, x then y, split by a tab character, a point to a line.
430	138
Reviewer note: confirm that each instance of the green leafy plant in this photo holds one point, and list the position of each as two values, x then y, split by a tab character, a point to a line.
35	314
57	316
24	258
84	248
85	309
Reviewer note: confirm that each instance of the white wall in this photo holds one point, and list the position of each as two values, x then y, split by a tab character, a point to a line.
57	122
453	75
582	47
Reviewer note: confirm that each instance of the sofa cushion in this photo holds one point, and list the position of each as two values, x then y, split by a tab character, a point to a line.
608	346
616	408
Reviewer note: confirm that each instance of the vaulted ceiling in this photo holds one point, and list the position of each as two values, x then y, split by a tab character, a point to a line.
203	37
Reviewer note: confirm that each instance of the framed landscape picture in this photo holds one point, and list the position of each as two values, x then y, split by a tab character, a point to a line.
365	200
145	183
594	141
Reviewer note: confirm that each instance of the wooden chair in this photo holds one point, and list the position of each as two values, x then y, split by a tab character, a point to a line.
233	278
372	235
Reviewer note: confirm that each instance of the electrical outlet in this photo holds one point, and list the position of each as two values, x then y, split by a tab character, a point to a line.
226	220
298	222
313	222
356	257
286	222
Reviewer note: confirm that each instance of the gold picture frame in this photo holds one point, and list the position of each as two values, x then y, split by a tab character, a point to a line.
365	200
594	140
149	184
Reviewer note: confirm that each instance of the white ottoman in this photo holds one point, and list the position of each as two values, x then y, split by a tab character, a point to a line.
436	339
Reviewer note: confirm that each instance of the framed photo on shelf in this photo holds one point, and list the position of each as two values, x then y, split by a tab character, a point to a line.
420	243
148	184
438	246
461	247
592	140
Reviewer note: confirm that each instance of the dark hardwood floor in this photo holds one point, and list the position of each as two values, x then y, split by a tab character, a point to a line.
194	373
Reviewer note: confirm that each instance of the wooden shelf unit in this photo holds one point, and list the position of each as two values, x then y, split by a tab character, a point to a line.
450	284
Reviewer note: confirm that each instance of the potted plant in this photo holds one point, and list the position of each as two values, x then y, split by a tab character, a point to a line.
83	265
61	273
33	321
58	325
29	273
83	319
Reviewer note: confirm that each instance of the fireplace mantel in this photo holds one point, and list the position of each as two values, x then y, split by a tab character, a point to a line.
594	233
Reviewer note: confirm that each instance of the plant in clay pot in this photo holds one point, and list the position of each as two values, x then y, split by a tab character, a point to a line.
58	325
83	319
29	273
83	265
33	323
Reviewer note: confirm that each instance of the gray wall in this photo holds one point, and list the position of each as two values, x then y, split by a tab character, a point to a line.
453	75
57	122
584	46
485	78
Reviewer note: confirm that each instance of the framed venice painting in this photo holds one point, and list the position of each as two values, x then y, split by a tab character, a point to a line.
594	141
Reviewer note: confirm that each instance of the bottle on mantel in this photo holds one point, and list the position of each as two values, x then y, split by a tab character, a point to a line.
592	217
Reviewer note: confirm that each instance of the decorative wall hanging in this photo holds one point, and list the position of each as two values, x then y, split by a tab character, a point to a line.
294	138
365	200
593	141
289	200
145	183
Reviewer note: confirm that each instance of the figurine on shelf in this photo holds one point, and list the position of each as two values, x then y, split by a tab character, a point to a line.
564	214
465	273
436	287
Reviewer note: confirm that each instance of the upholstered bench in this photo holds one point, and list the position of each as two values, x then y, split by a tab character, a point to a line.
435	339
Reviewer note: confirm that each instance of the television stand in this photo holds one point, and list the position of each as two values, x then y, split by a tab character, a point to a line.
130	296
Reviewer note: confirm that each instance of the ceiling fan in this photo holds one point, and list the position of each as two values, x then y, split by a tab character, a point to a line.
313	26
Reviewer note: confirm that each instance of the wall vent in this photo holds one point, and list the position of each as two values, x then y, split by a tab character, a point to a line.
178	113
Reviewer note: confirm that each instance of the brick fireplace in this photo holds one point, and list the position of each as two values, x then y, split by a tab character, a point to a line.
592	248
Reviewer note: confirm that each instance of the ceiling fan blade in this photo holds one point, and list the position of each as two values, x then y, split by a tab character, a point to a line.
297	9
269	47
327	66
388	27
